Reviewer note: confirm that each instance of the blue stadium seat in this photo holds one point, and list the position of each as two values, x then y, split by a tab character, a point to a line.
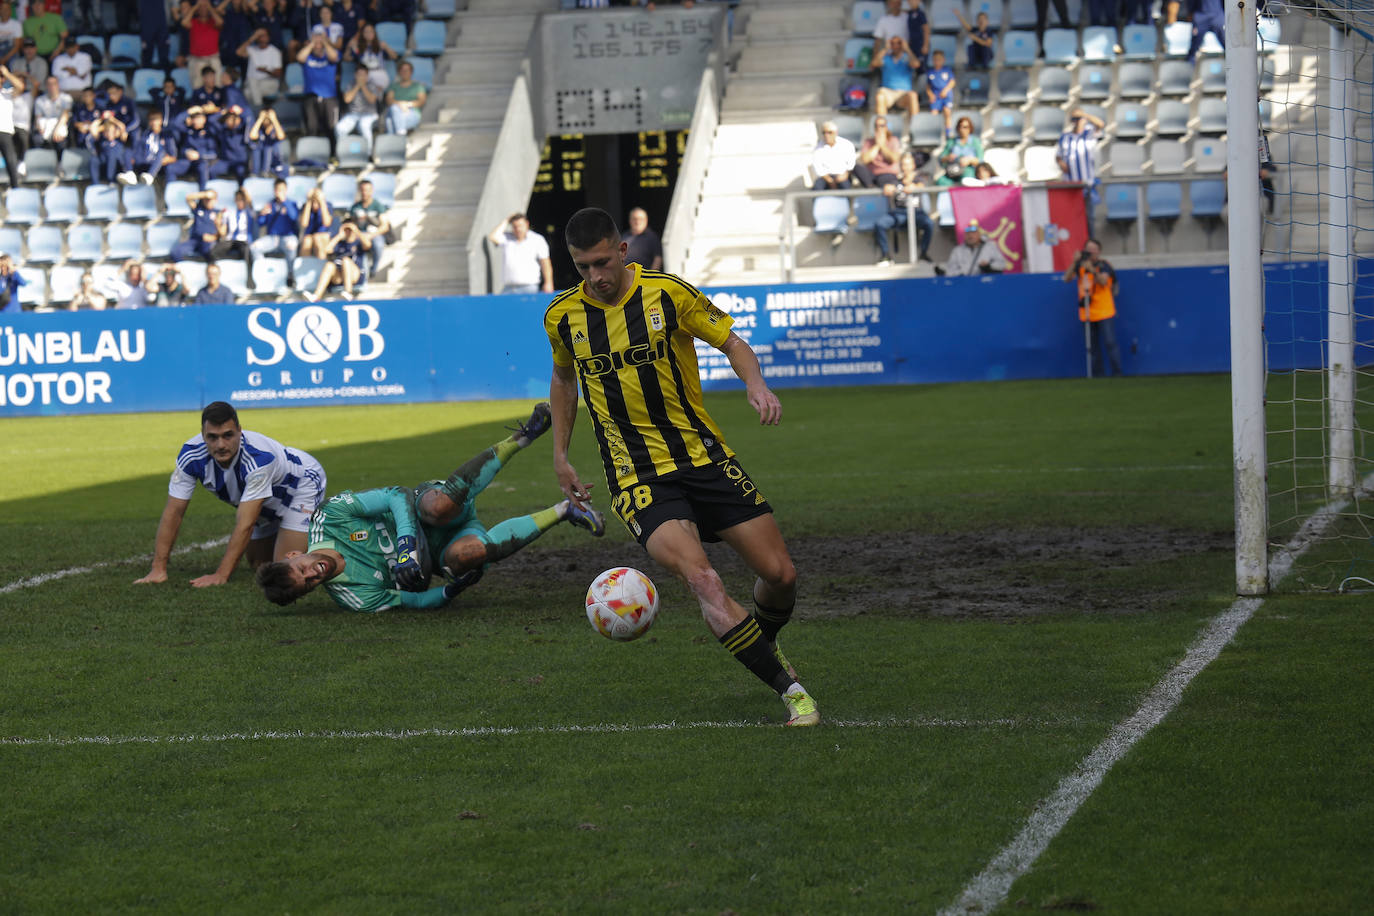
867	210
182	77
40	166
943	17
1094	81
75	164
224	189
352	152
423	68
192	275
992	7
1177	39
103	78
269	276
145	81
1163	205
12	243
389	151
1007	126
298	186
830	214
1061	46
394	34
864	16
1213	76
383	186
1139	42
1209	155
233	273
1013	86
140	202
125	51
60	203
45	244
1123	208
1268	36
174	45
85	242
1207	200
440	9
1211	116
1135	80
1171	118
1166	157
174	197
1099	43
307	272
311	150
289	114
927	130
944	209
294	80
105	276
947	45
22	206
101	202
1021	15
162	235
1175	78
431	37
66	282
125	241
1019	49
340	190
858	56
346	71
975	89
1047	123
1131	120
1211	46
1054	84
258	189
34	292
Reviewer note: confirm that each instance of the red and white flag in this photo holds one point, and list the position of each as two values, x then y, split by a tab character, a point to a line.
1056	226
996	209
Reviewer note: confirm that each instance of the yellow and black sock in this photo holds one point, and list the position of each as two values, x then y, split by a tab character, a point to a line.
771	619
747	644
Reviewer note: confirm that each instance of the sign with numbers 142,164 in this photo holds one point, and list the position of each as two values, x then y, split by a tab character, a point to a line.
624	71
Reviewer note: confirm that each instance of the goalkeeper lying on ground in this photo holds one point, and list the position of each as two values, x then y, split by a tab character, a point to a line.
377	549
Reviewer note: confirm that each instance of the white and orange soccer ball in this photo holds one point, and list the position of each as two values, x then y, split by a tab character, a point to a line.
622	603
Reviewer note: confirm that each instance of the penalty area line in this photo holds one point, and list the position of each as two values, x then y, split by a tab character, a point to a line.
45	578
498	731
989	889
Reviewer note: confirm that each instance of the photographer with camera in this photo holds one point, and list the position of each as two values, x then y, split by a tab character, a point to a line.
344	265
1097	289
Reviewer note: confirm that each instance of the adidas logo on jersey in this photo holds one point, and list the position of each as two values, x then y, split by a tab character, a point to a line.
579	337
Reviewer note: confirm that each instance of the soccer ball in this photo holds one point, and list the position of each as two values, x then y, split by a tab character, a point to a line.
622	603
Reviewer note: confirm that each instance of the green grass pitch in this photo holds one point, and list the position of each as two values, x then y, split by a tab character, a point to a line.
992	576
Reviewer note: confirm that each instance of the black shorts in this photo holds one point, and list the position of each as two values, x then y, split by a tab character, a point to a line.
713	496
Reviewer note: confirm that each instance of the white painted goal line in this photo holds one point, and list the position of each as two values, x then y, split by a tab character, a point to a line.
45	578
990	887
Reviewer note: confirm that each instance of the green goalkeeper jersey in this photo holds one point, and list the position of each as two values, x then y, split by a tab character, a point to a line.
363	527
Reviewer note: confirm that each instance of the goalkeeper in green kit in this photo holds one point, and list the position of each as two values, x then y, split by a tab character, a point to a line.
377	549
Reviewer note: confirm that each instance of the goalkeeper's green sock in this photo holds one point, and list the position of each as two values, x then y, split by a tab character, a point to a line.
514	533
472	477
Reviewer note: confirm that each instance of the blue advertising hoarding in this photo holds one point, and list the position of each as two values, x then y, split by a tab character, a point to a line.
493	347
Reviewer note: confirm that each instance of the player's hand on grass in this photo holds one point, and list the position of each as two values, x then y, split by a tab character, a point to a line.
571	485
409	574
155	576
462	583
208	580
767	404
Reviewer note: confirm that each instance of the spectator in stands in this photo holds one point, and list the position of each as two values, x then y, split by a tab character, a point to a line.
202	22
11	33
47	29
300	19
238	25
279	224
270	15
940	86
351	15
369	214
29	65
1042	19
897	87
170	100
833	159
359	111
265	67
1102	12
214	292
1208	16
153	148
10	281
1097	289
11	87
208	96
111	160
240	230
978	254
85	114
234	151
114	103
394	11
525	264
229	80
169	286
643	247
891	23
982	49
321	107
983	175
52	112
265	157
903	193
343	261
371	54
316	222
207	227
87	296
131	289
1074	154
199	145
918	32
73	67
1137	11
961	154
404	99
879	157
325	26
152	28
23	117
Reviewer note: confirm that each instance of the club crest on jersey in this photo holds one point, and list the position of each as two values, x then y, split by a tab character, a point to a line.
655	317
357	536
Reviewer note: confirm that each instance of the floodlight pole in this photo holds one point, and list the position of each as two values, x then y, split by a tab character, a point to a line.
1247	299
1340	317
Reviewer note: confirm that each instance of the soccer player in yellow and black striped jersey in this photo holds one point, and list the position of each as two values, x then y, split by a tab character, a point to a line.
629	336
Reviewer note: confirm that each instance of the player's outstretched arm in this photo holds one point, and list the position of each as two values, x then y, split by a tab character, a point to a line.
746	366
244	520
167	528
563	403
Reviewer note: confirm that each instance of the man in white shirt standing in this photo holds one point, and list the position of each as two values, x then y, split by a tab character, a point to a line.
11	87
525	266
264	69
11	32
72	67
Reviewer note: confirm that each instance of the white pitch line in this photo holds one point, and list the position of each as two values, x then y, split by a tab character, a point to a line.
991	886
45	578
404	734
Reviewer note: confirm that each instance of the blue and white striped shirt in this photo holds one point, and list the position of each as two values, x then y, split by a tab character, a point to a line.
1077	151
263	469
